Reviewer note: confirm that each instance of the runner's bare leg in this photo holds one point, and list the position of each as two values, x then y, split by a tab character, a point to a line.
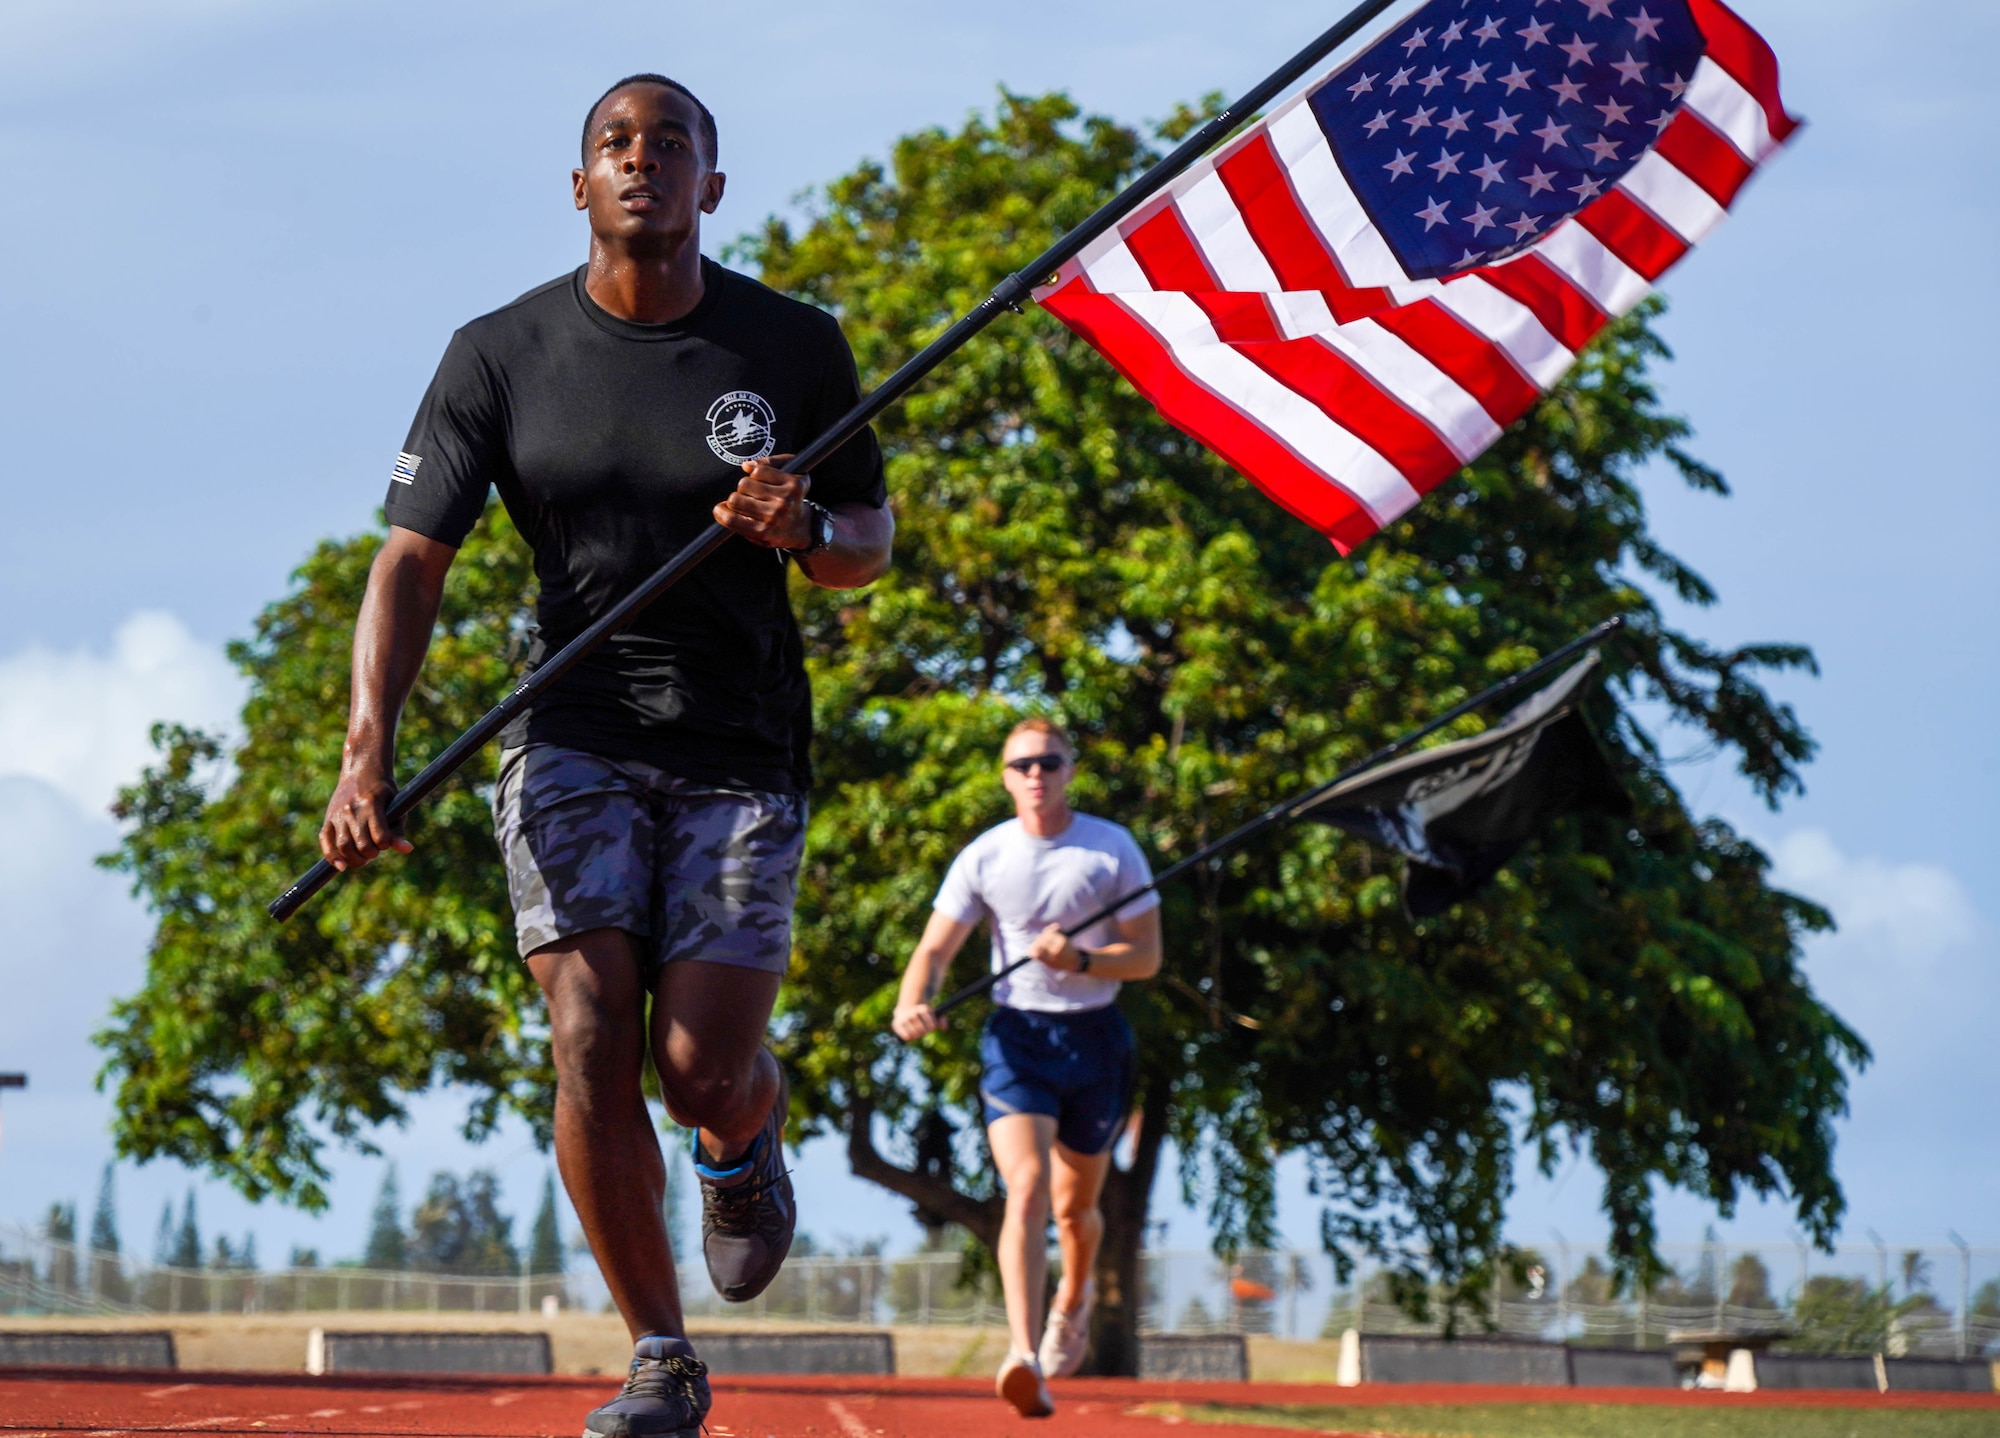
607	1146
708	1032
1021	1143
1076	1182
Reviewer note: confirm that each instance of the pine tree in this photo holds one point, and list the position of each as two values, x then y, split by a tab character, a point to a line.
387	1246
104	1223
60	1230
107	1275
163	1240
186	1251
545	1254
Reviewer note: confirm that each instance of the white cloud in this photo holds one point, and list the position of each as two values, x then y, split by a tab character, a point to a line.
1911	916
78	721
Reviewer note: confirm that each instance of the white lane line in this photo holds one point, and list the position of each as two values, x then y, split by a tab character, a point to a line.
852	1426
168	1393
505	1398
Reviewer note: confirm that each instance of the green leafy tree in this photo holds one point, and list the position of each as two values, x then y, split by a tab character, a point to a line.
1629	989
388	1248
545	1249
459	1228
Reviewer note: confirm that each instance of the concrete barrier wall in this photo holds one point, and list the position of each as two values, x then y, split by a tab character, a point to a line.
86	1350
1220	1358
1938	1375
1623	1368
730	1353
331	1351
1810	1370
1387	1359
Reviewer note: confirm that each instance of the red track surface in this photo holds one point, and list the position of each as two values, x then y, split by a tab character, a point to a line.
99	1405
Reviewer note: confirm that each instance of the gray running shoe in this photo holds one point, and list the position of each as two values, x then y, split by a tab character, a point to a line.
665	1395
747	1211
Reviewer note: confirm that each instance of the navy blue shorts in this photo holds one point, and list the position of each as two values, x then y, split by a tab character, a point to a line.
1075	1067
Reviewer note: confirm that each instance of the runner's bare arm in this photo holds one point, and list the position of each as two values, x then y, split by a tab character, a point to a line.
943	937
391	634
769	508
1136	955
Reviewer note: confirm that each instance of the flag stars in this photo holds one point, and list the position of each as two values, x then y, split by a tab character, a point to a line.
1660	121
1377	125
1599	9
1675	87
1502	123
1445	164
1568	90
1524	227
1481	218
1588	190
1605	150
1578	49
1551	135
1362	86
1432	215
1436	78
1489	172
1398	80
1537	33
1632	71
1517	79
1417	41
1452	34
1455	123
1613	112
1421	119
1538	180
1475	74
1644	26
1400	166
1489	31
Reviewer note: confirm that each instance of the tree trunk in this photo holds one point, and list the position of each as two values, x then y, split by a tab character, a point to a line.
1121	1277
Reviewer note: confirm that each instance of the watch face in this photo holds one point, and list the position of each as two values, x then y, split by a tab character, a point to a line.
822	528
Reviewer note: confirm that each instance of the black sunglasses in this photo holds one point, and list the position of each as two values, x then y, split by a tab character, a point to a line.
1028	764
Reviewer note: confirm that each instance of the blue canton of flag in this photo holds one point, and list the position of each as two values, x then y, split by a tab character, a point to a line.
1474	127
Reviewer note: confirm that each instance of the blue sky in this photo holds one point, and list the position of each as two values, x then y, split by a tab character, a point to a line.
235	235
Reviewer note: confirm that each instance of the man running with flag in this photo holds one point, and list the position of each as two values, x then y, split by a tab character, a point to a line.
651	804
1057	1053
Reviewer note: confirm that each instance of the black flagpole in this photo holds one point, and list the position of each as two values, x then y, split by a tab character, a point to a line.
1007	295
1299	803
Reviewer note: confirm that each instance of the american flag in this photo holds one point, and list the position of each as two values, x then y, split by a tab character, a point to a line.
1350	300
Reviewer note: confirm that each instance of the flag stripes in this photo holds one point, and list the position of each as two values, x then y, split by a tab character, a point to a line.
1256	304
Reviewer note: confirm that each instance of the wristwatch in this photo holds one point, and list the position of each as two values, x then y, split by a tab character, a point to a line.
819	524
1083	957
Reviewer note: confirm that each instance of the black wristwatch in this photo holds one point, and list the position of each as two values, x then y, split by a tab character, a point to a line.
819	523
1083	957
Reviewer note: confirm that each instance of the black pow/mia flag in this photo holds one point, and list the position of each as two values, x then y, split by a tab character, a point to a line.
1460	811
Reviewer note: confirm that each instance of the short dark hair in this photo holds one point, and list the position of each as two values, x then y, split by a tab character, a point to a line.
710	148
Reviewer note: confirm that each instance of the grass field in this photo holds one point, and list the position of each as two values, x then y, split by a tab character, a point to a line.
1591	1421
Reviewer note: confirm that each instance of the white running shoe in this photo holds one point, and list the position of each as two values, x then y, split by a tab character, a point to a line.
1066	1338
1020	1383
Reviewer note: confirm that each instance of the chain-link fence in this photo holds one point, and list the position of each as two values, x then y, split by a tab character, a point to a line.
1917	1302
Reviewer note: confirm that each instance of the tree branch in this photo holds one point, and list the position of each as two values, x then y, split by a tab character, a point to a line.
979	1216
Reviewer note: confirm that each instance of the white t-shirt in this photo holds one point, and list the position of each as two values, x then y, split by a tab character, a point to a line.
1024	884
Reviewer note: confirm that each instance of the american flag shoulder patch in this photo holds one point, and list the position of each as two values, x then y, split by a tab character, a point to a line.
405	471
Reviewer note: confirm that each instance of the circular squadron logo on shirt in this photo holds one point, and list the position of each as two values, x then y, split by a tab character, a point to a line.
740	427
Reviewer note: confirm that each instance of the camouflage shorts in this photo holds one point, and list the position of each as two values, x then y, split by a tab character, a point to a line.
693	871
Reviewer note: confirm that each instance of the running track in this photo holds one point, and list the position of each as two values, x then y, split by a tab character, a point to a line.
99	1405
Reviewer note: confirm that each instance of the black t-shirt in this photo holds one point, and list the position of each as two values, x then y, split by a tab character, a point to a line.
610	442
